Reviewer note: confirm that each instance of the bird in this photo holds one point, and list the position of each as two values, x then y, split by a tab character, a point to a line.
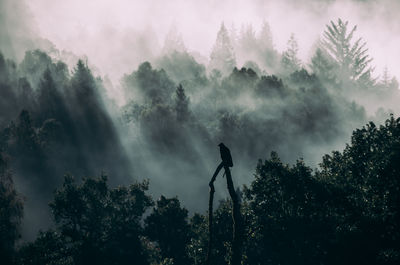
225	155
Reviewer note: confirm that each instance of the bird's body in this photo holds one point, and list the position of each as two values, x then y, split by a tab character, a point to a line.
225	155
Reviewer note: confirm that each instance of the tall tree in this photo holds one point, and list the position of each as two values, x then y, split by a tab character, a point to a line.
181	104
267	52
248	45
173	42
324	66
168	226
351	56
50	100
11	211
290	60
102	225
222	56
387	82
265	36
153	85
8	99
95	224
233	35
96	133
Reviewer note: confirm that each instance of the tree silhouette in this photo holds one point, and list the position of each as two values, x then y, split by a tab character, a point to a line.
173	42
181	104
11	212
154	85
222	56
334	214
290	61
324	66
351	56
237	231
168	226
270	57
95	224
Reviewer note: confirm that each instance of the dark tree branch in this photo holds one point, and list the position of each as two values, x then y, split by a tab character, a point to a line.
210	212
237	240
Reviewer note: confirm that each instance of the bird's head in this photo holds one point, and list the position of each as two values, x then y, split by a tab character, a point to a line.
221	144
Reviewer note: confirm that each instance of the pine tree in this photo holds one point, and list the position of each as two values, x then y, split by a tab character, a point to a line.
173	42
386	80
269	56
168	226
233	35
49	98
351	57
290	61
323	66
394	84
265	37
222	56
248	40
247	48
385	77
11	212
26	137
181	104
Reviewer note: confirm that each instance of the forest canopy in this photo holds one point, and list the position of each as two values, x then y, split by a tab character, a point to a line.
85	179
293	214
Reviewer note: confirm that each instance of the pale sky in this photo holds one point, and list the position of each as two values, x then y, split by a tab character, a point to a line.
85	27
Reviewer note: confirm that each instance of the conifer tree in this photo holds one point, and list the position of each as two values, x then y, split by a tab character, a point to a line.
248	40
181	104
388	82
290	61
265	36
323	65
351	56
173	42
11	211
222	56
269	56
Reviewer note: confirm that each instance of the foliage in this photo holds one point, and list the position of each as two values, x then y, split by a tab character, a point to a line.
183	68
367	173
289	215
11	212
344	213
53	121
352	57
290	61
154	85
95	224
167	225
181	104
222	56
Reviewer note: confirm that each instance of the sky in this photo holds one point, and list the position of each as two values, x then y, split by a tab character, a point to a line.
102	29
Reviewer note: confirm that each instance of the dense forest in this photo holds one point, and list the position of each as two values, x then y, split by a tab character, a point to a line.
86	180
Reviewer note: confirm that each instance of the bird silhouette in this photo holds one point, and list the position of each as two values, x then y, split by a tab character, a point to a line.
225	155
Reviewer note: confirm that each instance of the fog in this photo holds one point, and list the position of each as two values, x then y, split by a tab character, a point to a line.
156	90
103	29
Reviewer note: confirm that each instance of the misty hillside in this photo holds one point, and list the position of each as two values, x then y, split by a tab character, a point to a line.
96	169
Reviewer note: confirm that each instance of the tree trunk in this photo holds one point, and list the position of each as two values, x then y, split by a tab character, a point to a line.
210	212
237	241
